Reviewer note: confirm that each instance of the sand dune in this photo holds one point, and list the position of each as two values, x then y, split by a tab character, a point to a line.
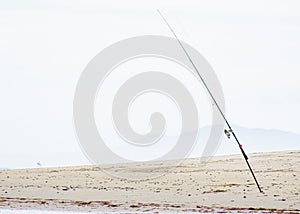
220	184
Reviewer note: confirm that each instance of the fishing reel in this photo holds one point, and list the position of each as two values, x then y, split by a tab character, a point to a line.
227	133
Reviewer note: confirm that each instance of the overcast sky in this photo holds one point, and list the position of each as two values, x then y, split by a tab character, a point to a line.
253	47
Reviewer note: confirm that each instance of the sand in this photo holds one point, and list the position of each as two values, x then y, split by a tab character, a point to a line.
222	184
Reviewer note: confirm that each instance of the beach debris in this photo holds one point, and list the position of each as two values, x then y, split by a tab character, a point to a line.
65	188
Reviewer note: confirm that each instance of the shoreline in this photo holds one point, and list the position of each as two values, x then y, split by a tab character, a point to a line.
37	204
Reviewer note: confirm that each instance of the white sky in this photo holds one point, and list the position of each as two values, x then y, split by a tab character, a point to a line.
253	46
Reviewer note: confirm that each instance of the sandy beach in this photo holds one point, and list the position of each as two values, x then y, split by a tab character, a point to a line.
222	184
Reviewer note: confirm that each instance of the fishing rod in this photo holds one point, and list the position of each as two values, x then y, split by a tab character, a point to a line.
230	130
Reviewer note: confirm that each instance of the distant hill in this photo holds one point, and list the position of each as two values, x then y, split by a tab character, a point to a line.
253	140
